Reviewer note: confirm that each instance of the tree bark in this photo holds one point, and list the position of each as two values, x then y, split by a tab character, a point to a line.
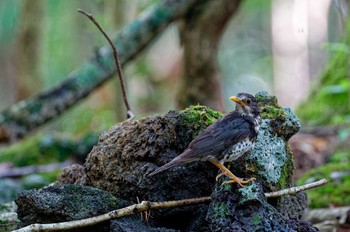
200	35
28	42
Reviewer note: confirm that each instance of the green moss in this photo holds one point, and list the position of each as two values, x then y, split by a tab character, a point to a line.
221	210
336	192
287	171
272	112
269	107
257	219
283	121
199	116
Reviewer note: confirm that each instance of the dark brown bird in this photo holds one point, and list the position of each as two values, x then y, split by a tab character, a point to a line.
226	140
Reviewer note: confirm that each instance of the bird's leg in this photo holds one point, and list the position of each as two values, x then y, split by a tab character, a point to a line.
234	179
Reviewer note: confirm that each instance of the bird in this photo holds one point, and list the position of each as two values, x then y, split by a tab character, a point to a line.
226	140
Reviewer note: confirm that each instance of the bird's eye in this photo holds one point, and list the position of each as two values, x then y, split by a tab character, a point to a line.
248	101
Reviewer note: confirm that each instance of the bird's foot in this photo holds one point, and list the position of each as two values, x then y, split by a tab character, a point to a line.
220	175
239	181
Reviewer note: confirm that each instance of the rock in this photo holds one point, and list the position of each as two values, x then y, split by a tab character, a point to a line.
73	202
8	221
73	174
65	203
237	209
271	163
132	224
283	121
127	152
8	216
290	206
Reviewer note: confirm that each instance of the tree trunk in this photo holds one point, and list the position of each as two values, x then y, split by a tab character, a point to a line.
119	13
200	35
28	41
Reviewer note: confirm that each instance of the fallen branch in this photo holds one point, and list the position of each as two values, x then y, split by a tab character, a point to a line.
338	215
132	209
22	171
129	115
146	205
295	190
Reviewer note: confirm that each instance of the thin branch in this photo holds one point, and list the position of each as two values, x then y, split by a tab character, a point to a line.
22	171
146	206
143	206
295	190
129	115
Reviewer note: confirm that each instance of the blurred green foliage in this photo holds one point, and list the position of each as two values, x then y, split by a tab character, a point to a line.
336	192
9	18
48	148
38	150
329	103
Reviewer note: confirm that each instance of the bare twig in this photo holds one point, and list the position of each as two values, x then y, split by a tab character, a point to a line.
143	206
146	206
129	115
295	190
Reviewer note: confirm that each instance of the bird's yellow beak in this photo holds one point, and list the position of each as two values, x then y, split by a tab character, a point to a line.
235	99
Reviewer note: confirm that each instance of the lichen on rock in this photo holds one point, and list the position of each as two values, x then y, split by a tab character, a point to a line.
248	210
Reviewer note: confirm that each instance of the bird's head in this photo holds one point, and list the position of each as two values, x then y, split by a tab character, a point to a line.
246	104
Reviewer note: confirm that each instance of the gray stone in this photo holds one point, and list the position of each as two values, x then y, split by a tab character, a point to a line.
8	216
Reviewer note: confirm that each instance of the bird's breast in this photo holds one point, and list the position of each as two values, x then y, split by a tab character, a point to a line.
237	150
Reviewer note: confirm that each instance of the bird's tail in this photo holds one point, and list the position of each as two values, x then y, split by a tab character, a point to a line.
178	160
164	167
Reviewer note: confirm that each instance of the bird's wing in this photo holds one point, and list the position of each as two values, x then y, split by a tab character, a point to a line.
219	136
